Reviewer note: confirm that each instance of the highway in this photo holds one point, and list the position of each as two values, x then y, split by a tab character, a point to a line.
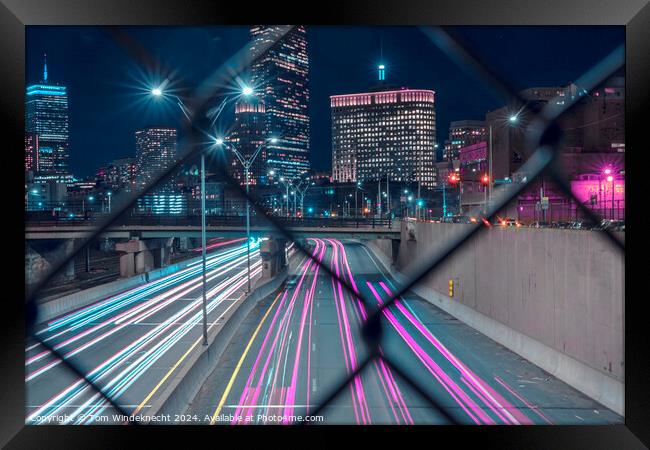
296	346
132	344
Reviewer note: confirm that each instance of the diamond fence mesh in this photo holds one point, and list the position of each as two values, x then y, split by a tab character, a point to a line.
544	140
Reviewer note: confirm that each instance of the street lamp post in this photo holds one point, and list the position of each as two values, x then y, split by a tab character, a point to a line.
158	92
513	119
203	250
247	164
286	183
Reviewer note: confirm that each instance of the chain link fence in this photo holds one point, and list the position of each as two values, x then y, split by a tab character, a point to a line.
544	143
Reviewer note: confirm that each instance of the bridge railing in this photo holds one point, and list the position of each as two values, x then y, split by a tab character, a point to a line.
212	221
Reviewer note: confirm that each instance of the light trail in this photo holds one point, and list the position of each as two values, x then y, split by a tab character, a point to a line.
150	346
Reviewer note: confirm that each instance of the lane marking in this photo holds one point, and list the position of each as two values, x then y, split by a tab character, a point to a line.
226	392
175	366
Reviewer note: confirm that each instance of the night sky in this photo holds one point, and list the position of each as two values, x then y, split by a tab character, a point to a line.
107	87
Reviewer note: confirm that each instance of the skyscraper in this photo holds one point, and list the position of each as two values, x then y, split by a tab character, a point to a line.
281	78
46	119
248	134
387	133
155	151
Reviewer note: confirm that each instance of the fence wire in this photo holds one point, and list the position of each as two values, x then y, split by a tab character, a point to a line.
543	140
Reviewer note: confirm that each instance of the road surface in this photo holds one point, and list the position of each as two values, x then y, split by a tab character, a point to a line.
295	347
133	343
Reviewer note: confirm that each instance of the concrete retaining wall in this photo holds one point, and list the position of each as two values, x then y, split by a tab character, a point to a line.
554	296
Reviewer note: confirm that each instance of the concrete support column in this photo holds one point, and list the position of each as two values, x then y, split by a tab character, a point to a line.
142	256
184	244
144	261
273	257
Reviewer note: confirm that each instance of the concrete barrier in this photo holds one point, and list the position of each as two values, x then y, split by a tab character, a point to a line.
176	397
555	297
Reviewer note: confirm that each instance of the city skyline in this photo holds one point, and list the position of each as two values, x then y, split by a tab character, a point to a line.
441	252
334	72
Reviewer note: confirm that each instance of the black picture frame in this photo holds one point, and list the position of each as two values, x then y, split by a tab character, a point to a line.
633	14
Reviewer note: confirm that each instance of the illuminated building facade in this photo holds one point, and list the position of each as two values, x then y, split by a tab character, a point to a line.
386	133
461	134
248	134
121	174
46	119
281	79
155	149
31	153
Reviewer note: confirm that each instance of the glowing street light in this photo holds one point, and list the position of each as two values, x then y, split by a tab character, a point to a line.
246	164
156	92
247	90
513	118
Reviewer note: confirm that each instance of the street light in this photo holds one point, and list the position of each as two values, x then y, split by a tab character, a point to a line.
246	164
158	93
286	184
513	119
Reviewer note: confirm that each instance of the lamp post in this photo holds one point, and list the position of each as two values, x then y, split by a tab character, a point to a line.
356	191
513	119
302	192
158	92
286	184
247	164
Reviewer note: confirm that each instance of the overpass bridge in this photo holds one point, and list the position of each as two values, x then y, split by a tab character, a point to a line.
152	227
145	241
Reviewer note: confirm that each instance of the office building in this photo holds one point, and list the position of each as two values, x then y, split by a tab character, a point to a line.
280	78
247	136
156	151
46	120
390	133
461	134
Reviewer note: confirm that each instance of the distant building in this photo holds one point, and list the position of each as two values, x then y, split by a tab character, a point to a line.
31	153
461	134
593	137
389	132
121	174
281	78
156	149
248	135
46	120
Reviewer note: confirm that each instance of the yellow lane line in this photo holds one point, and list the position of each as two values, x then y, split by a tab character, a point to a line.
241	361
175	366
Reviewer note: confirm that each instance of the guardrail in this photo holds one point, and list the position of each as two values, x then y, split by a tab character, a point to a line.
235	221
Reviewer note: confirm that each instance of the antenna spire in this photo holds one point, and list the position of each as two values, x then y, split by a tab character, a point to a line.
381	75
44	66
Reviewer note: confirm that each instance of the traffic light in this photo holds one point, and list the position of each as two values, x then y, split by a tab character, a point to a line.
485	179
454	178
